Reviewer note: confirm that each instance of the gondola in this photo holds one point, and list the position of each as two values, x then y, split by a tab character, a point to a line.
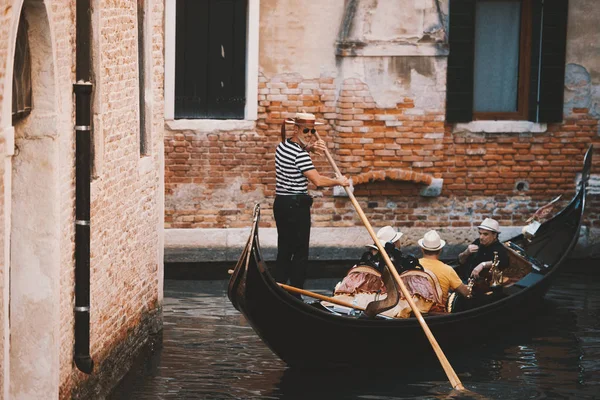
309	335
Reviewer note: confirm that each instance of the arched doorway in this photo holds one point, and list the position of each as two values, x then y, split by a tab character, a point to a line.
32	194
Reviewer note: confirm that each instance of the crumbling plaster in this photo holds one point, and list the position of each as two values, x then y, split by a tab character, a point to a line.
290	31
193	195
582	75
295	38
390	79
388	20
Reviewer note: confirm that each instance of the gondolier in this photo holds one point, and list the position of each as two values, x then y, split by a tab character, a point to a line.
294	169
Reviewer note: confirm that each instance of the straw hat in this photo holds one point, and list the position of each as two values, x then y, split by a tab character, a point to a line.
490	225
302	118
387	234
431	241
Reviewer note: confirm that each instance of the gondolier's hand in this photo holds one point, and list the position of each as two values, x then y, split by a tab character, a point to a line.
318	147
343	181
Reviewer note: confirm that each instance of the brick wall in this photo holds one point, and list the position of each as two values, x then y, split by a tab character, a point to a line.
212	178
125	208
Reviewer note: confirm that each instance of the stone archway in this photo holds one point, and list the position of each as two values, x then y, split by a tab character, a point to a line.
32	189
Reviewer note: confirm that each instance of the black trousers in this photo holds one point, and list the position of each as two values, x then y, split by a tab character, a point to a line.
292	216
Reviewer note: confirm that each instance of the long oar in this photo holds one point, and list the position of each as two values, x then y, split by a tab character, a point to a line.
318	296
314	295
454	381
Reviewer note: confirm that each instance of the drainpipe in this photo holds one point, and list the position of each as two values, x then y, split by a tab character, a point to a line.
83	91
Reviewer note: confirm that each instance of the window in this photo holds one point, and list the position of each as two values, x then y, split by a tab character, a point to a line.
507	60
22	93
210	59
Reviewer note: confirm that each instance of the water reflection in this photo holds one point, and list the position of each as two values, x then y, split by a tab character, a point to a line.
210	352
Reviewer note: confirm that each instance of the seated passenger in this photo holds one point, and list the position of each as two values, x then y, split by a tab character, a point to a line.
389	239
431	244
363	282
365	276
425	291
478	256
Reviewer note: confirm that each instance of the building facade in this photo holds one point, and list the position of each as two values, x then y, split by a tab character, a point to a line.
443	113
43	45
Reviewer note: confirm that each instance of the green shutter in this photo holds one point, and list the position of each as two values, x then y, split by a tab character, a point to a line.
227	59
210	60
553	53
536	30
191	66
459	91
548	62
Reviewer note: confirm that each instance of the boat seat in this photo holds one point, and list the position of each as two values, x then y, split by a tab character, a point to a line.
425	290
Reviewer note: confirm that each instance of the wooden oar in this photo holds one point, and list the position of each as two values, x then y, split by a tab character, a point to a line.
454	381
320	296
314	295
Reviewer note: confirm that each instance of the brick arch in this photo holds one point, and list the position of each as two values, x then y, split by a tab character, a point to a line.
396	174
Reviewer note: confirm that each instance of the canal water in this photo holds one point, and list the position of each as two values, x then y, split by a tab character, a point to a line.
208	351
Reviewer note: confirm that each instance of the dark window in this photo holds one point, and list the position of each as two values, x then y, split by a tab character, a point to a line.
21	96
507	60
210	61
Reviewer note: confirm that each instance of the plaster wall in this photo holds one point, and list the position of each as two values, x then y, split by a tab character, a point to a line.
4	283
295	38
582	80
389	21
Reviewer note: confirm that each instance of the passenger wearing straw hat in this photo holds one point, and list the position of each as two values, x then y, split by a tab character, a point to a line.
479	254
431	245
293	170
389	238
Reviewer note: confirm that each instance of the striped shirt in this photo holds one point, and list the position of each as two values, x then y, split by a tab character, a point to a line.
290	164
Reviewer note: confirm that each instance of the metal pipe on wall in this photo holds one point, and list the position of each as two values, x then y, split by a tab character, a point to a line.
83	130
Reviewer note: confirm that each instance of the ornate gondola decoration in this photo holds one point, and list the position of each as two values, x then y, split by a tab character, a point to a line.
304	334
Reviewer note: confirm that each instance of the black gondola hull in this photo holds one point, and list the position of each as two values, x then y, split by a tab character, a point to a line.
306	336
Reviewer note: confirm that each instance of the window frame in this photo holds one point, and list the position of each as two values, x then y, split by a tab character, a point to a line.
252	48
522	112
548	60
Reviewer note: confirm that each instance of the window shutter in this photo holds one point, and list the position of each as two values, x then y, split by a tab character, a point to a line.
459	92
227	59
552	62
191	66
536	28
210	60
21	83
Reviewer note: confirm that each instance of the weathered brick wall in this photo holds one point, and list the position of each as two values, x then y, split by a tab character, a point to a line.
125	209
211	179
